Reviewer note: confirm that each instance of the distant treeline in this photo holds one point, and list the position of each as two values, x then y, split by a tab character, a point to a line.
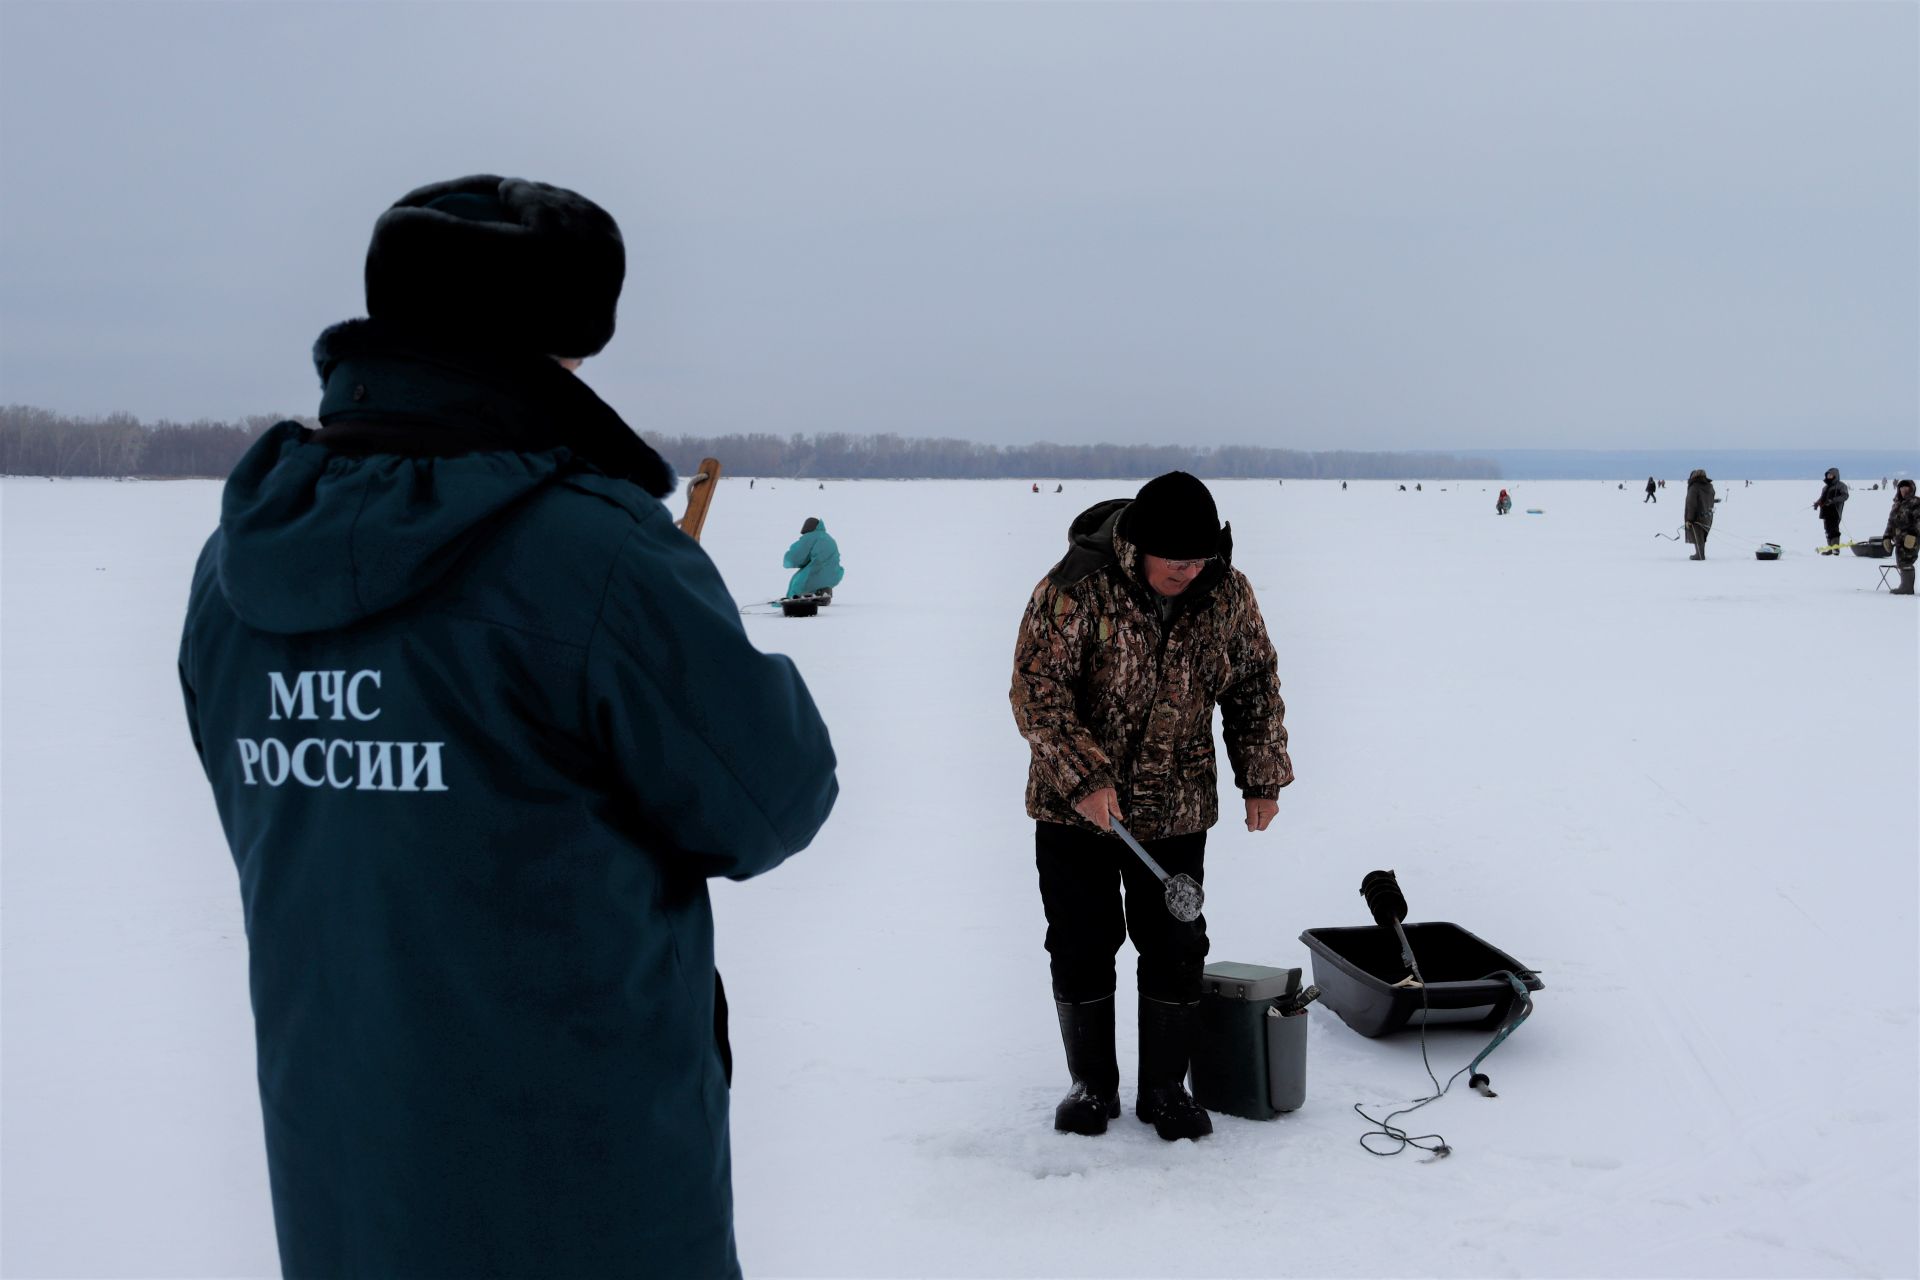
834	455
38	442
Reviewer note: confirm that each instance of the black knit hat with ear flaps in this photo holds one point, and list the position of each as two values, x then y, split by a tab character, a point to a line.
1173	517
499	263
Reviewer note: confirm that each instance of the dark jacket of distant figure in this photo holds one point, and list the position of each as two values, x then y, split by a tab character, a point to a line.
1650	485
480	724
1903	528
1698	512
1107	694
817	556
1833	496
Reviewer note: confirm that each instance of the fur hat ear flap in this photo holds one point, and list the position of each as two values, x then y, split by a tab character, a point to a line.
500	263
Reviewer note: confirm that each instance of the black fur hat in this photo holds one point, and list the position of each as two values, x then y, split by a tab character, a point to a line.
498	262
1173	517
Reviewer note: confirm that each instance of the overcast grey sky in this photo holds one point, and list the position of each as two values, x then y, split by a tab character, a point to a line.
1374	226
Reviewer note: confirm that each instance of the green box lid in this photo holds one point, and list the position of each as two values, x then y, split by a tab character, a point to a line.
1234	981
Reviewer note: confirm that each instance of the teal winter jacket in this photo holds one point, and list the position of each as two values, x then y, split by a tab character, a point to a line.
817	556
479	727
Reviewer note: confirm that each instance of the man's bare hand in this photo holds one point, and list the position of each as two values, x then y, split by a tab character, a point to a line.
1101	807
1259	813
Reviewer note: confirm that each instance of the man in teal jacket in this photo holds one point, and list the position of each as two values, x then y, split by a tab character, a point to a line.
817	557
480	722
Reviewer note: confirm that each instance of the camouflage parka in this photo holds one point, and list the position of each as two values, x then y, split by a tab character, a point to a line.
1107	695
1903	528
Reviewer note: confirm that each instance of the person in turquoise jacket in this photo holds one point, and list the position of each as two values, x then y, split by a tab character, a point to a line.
480	724
817	557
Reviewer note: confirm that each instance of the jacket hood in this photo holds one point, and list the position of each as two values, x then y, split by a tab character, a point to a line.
1833	473
1698	476
1094	542
1089	542
424	447
312	539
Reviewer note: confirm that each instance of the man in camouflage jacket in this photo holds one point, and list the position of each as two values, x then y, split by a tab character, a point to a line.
1125	648
1903	533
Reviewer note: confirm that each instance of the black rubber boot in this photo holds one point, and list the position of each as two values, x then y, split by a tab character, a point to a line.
1906	582
1087	1032
1166	1045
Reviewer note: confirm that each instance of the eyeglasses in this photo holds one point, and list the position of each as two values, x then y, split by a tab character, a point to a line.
1181	566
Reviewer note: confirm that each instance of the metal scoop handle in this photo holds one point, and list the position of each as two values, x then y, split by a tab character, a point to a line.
1183	893
1138	848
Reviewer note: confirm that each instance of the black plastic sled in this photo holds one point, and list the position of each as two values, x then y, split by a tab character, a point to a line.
1357	968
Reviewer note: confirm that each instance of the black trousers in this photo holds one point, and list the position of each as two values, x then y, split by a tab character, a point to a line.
1832	520
1081	874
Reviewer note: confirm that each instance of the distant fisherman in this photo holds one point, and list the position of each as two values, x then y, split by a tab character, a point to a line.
816	557
1698	513
1903	533
1832	499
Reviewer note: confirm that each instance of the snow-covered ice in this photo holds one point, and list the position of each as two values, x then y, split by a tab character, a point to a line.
1685	793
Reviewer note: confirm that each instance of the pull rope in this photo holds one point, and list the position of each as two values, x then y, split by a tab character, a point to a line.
1680	535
